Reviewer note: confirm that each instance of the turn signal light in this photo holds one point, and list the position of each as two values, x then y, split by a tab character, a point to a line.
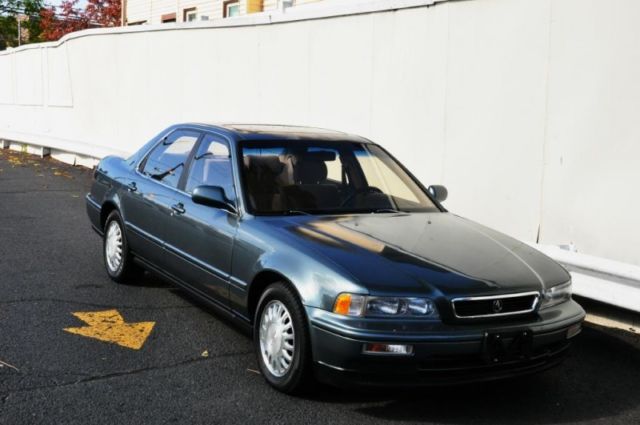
349	304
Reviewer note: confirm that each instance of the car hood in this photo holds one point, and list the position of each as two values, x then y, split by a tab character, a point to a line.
417	253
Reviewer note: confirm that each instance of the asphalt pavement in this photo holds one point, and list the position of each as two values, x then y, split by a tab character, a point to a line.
196	367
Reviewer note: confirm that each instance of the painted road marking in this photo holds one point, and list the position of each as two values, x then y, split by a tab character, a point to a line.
109	326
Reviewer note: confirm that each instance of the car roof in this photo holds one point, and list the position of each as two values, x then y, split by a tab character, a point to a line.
256	132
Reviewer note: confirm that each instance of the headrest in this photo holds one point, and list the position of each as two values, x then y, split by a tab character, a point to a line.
310	170
267	163
320	155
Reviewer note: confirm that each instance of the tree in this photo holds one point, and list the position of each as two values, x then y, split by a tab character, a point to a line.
105	13
40	23
8	31
68	18
32	10
54	25
28	12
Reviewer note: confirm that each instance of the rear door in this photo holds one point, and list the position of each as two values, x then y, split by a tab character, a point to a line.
200	239
148	199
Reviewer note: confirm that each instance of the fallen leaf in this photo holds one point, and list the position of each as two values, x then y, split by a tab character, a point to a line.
3	364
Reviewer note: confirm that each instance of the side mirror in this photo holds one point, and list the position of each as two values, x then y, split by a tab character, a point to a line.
438	192
213	196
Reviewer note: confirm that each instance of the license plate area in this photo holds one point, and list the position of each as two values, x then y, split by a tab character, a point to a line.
500	347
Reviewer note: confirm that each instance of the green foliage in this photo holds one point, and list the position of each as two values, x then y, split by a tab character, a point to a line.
28	11
32	9
8	31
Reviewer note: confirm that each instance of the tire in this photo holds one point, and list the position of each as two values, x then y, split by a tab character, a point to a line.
124	269
280	301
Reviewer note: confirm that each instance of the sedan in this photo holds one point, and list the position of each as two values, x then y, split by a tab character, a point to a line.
342	264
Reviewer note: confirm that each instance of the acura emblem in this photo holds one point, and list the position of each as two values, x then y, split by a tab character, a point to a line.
497	305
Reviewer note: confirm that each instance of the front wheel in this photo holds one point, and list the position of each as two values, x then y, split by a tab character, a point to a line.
117	258
281	340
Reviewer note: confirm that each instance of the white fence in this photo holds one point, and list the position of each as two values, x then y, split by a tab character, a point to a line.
528	110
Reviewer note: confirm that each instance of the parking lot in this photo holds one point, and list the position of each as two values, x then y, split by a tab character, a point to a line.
191	366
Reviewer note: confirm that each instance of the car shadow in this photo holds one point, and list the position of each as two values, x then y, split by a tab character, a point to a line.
216	312
598	380
149	279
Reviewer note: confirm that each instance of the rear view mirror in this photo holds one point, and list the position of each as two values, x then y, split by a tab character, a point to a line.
213	196
438	192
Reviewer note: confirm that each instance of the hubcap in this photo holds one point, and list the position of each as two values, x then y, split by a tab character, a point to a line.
113	247
277	338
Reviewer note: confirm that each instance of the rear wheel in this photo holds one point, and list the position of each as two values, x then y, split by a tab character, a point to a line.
281	340
117	258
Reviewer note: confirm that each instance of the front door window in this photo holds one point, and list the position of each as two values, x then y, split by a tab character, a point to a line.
166	161
212	166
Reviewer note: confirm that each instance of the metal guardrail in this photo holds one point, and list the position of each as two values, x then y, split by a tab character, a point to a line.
68	151
608	281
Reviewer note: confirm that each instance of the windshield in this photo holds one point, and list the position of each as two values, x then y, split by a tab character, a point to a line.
318	177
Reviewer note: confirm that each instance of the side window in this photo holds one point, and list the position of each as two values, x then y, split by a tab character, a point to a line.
167	160
212	166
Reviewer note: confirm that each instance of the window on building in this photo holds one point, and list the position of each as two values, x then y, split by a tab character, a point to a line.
169	17
231	8
189	15
254	6
136	23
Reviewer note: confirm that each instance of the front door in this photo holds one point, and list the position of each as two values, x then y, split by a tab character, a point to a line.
199	240
146	203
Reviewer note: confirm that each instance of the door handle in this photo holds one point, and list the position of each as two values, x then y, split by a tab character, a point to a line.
178	208
132	187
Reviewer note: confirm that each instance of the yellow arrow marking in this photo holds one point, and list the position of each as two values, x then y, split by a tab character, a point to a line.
109	326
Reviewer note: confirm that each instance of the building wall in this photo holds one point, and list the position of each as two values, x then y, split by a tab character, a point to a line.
526	109
273	4
151	11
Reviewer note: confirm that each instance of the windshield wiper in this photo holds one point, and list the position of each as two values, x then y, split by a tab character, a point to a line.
296	212
386	210
160	176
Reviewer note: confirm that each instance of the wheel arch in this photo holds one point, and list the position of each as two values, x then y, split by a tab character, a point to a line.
260	282
110	203
107	208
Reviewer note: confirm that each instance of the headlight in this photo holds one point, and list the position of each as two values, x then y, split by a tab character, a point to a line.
556	295
360	305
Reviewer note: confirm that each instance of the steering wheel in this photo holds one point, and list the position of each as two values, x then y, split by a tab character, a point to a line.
364	190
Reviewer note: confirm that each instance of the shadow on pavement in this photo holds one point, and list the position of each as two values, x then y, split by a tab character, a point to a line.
152	280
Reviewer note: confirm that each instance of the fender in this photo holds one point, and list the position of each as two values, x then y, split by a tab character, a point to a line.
307	272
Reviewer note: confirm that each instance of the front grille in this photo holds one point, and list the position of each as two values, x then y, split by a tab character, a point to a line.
494	306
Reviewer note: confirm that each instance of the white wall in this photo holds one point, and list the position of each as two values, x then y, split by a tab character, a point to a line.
528	110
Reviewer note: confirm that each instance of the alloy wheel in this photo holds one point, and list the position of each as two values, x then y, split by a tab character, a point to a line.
113	247
277	338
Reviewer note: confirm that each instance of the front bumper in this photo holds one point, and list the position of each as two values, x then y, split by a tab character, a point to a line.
442	353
